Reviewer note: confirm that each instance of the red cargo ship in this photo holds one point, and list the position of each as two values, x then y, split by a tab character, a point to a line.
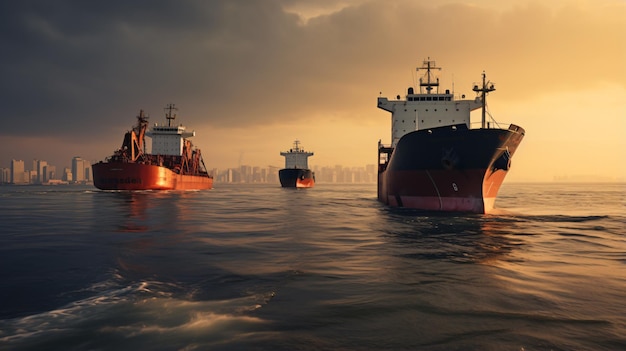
173	164
436	161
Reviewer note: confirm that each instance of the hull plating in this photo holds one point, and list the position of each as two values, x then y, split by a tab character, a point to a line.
448	168
296	178
136	176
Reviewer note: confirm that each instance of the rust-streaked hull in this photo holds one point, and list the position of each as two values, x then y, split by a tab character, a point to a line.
448	169
137	176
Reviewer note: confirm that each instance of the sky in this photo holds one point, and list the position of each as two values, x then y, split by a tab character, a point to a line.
251	76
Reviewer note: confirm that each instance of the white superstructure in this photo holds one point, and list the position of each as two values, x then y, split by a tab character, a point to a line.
296	157
168	139
426	109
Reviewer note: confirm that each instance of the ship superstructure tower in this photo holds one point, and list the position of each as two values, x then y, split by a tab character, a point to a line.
296	157
169	139
428	108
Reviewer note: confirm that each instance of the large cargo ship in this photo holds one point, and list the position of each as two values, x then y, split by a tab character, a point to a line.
436	161
296	173
173	164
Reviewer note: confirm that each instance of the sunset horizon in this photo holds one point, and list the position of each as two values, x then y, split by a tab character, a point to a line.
251	79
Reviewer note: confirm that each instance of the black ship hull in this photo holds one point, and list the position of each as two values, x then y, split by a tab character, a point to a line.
450	168
296	178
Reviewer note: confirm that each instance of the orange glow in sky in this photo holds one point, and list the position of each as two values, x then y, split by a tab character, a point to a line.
251	79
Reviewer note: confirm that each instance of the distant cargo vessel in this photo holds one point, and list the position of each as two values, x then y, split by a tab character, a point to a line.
436	161
173	164
296	173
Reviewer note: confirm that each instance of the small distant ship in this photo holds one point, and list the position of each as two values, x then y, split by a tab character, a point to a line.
436	161
173	164
296	173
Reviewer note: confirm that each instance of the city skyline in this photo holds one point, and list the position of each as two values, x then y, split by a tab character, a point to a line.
39	174
324	174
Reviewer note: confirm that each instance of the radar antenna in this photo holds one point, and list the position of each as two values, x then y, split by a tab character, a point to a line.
169	108
428	65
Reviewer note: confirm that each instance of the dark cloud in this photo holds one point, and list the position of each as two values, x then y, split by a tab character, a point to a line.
70	61
73	67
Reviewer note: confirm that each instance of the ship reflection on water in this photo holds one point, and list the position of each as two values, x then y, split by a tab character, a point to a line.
145	211
135	219
150	235
457	238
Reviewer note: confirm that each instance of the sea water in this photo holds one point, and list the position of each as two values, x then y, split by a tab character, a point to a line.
259	267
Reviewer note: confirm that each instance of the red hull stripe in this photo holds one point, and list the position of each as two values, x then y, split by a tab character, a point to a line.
441	190
134	176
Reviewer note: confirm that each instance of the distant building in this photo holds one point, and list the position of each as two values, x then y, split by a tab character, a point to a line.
245	173
67	175
40	171
230	176
5	175
18	175
78	169
49	173
32	176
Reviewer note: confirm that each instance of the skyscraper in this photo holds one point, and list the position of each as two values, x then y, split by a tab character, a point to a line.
78	169
18	175
41	176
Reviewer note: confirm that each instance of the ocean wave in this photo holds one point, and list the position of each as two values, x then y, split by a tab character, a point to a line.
144	312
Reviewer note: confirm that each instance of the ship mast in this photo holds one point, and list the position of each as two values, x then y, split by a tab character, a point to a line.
428	65
169	115
483	96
